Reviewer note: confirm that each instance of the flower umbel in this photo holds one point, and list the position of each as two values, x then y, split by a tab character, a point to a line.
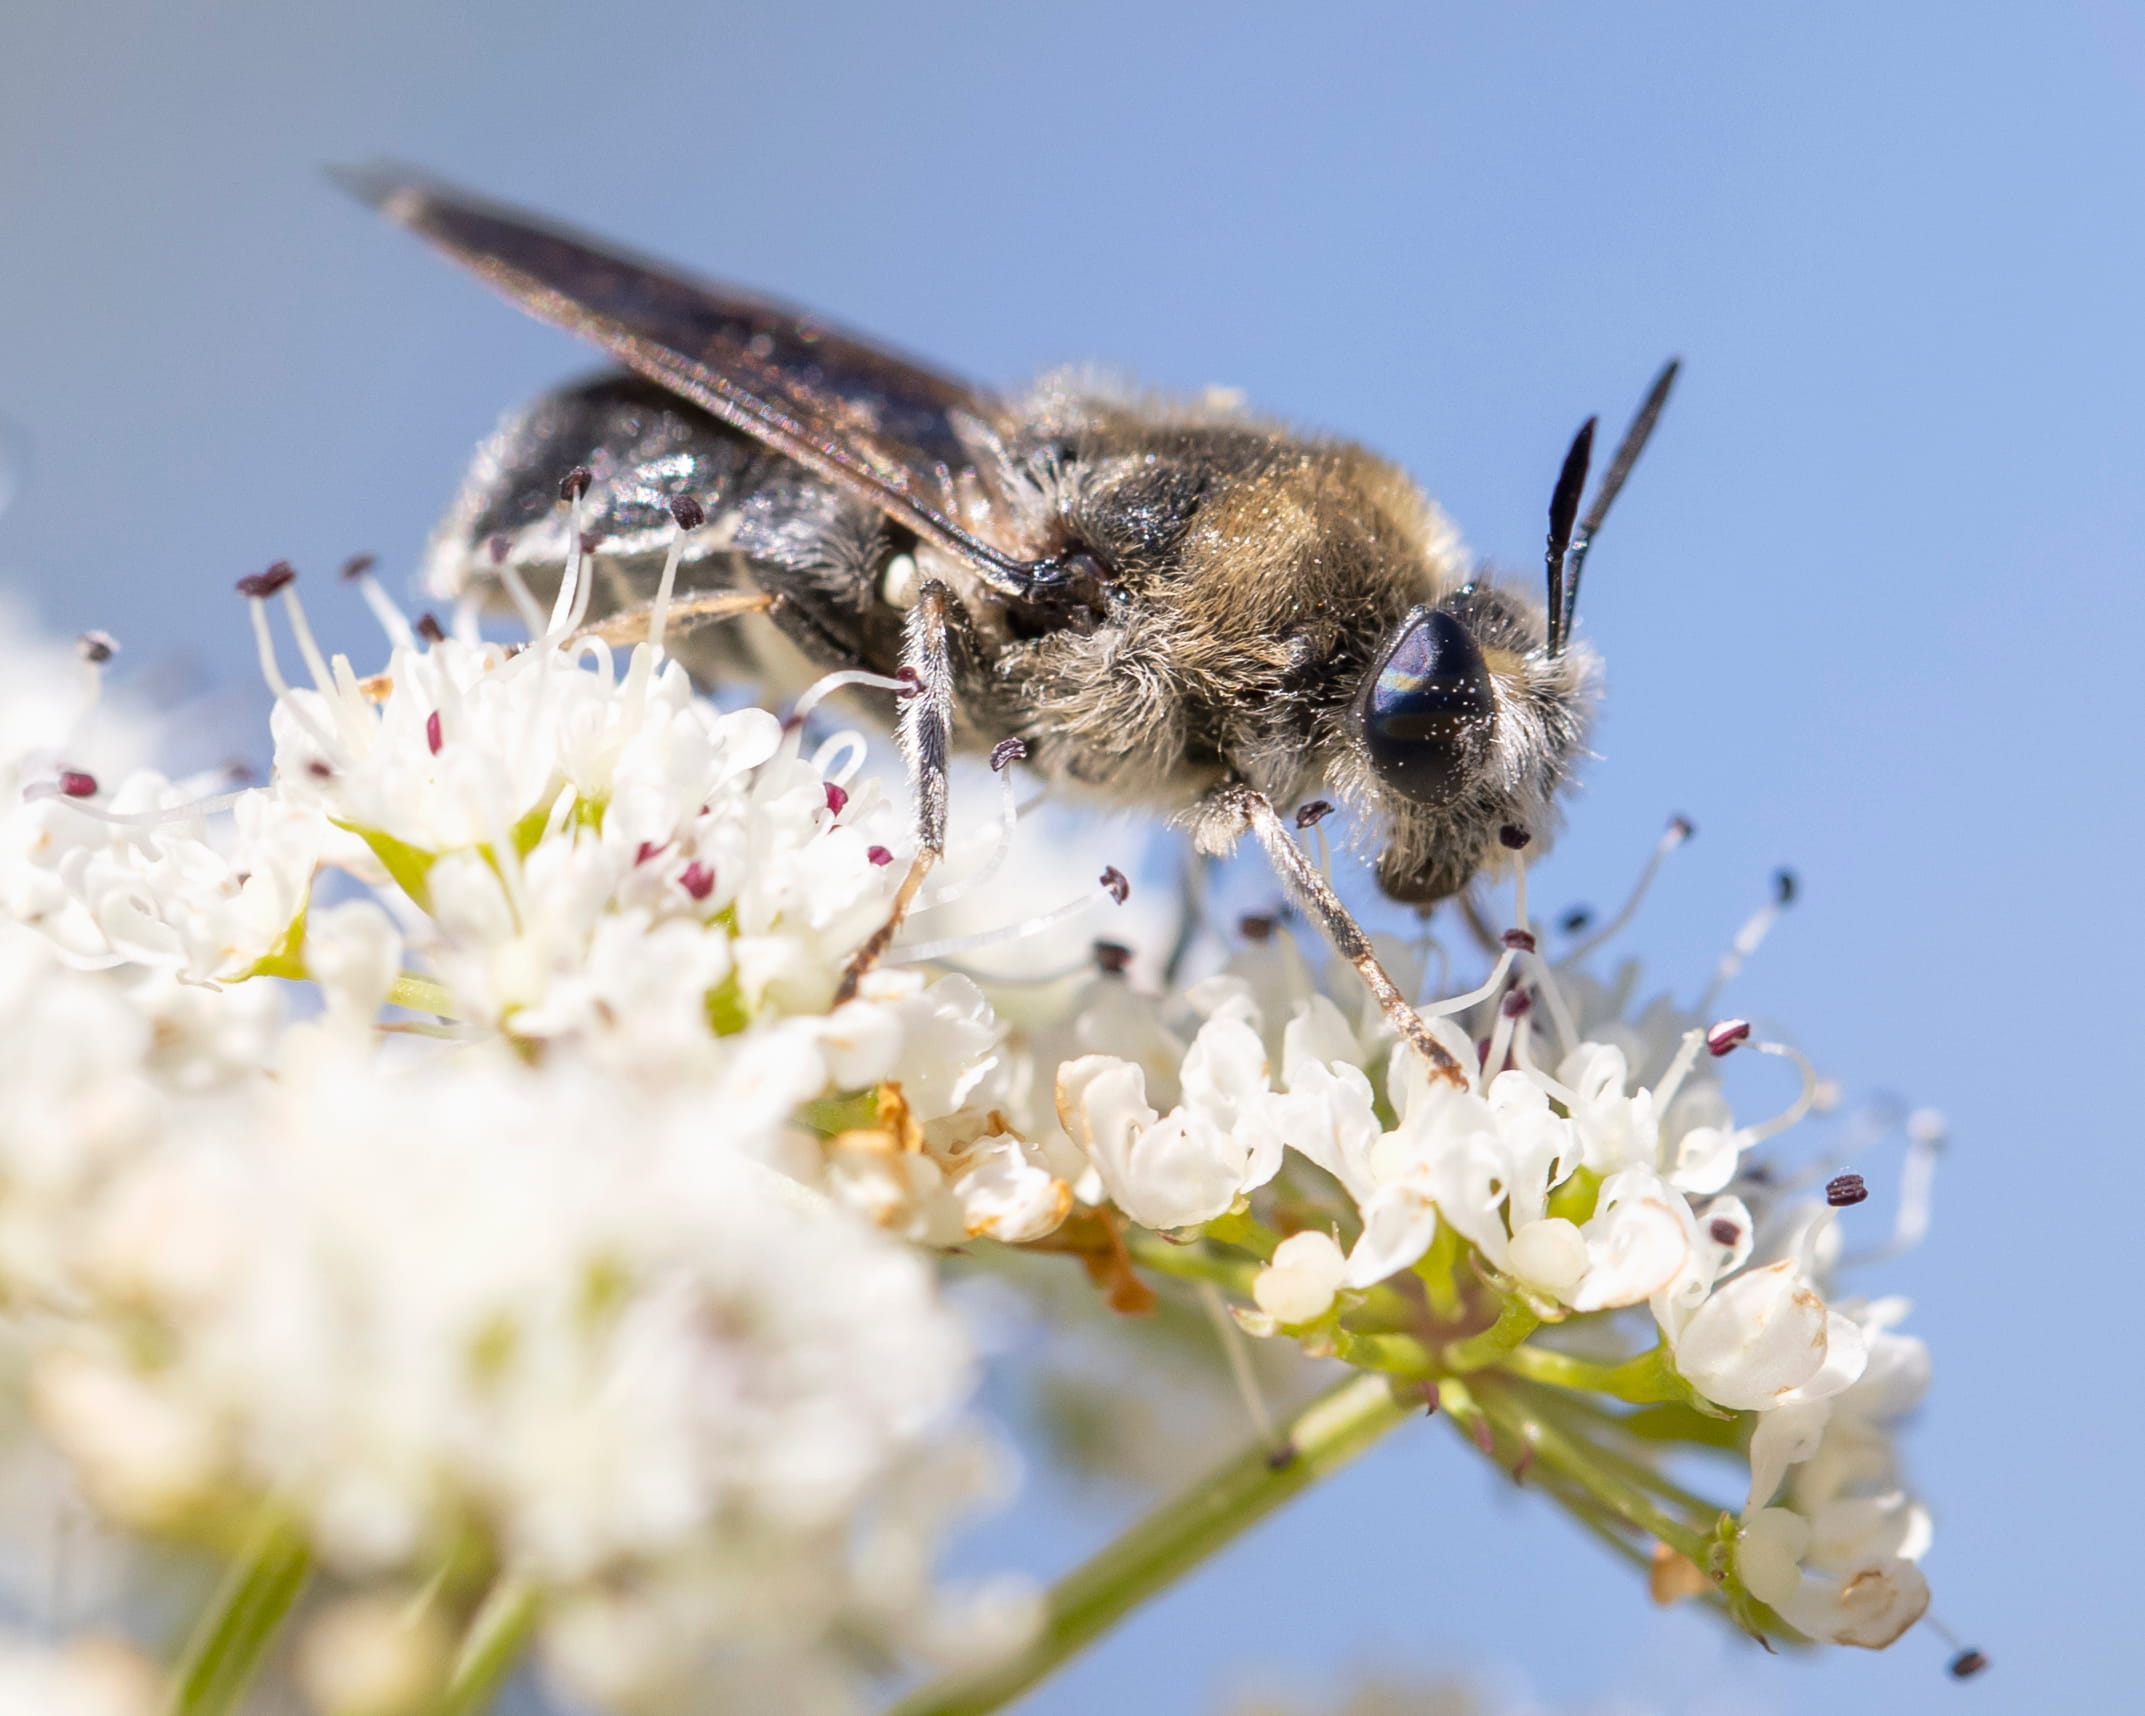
439	1186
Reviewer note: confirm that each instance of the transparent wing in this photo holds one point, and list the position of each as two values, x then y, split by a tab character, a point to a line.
881	425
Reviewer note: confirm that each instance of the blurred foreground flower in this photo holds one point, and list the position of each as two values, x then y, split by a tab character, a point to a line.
439	1187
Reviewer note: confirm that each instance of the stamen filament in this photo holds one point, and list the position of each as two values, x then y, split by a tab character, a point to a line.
1679	1069
1474	997
391	618
659	609
265	645
39	790
821	689
1672	837
1796	1109
1001	844
316	664
918	952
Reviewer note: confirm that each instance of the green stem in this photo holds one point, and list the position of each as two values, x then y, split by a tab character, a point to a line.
421	995
241	1623
1647	1379
1578	1462
1190	1262
1515	1322
1172	1540
490	1648
1604	1434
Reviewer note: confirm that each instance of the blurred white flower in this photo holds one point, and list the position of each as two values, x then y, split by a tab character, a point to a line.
87	1677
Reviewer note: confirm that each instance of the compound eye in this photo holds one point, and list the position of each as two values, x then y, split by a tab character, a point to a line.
1428	711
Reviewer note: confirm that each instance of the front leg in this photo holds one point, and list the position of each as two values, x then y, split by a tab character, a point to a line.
1316	896
926	736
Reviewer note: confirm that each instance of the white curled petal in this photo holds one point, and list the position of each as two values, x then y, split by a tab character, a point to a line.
1759	1338
1177	1171
1102	1104
1784	1437
1398	1226
1299	1284
1769	1549
1846	1354
1703	1159
1872	1606
1550	1256
1184	1170
1315	1038
1636	1245
1330	1117
1006	1195
1857	1530
1725	1229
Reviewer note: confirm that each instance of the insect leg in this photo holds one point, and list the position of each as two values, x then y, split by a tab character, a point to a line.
630	626
1317	897
926	732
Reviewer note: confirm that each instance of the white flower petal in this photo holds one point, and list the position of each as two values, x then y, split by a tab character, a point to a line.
1756	1339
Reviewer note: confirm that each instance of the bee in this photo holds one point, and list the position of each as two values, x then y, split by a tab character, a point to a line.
1174	605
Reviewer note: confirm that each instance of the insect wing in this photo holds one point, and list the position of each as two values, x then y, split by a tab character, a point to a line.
882	426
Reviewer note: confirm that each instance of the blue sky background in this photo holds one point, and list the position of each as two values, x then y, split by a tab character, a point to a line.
1871	605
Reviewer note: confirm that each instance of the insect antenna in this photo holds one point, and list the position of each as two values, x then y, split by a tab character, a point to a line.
1612	483
1563	508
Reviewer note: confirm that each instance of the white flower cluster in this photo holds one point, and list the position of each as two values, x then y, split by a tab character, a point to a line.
516	1260
1590	1163
568	1242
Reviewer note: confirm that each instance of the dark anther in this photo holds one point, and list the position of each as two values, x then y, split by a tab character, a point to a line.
1485	1438
429	628
687	513
1256	927
319	770
1114	883
1786	885
879	856
1683	827
96	648
358	565
1281	1458
1519	940
574	484
591	540
1967	1664
267	583
1724	1231
1575	920
697	880
837	797
648	849
1844	1191
1112	958
1007	752
1312	814
912	682
496	546
1726	1035
1515	838
1429	1397
1516	1004
432	733
75	784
